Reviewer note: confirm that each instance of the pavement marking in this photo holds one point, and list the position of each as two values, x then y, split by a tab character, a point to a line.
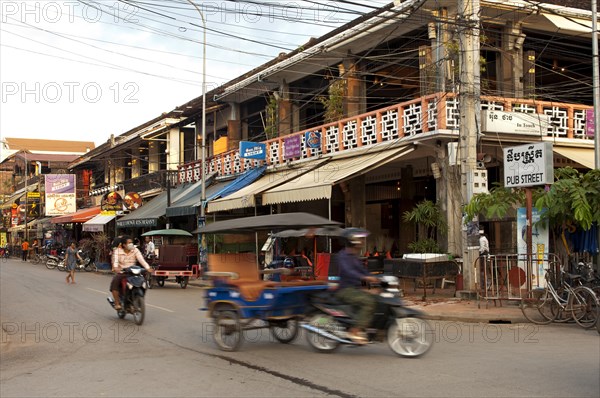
149	305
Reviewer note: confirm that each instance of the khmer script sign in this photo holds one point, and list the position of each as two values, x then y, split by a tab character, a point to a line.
528	165
514	123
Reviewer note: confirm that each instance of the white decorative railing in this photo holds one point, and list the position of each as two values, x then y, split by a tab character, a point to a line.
434	112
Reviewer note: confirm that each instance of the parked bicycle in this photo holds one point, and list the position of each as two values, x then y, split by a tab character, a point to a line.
4	253
559	301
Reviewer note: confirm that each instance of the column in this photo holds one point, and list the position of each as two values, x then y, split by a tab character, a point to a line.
173	148
234	126
355	100
510	74
153	157
284	109
358	202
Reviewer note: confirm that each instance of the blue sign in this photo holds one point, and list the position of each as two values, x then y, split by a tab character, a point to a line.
312	139
253	150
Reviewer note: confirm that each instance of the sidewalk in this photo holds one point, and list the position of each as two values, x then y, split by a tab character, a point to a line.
461	310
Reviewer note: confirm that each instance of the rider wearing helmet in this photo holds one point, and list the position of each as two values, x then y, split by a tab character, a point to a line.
352	276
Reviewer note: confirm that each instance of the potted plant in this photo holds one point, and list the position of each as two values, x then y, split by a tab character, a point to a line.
429	221
98	247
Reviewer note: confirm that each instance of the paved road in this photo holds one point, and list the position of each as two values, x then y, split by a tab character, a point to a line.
65	340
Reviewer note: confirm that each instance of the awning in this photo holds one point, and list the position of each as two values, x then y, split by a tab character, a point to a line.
21	227
317	183
244	179
187	205
80	216
97	223
583	156
246	197
149	213
42	221
18	196
570	23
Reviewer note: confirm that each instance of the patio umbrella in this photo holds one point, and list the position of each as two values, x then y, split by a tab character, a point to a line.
167	232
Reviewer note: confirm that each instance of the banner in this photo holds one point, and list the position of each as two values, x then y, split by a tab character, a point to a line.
60	194
539	245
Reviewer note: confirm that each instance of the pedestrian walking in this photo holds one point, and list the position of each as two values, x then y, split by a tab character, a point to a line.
24	250
71	257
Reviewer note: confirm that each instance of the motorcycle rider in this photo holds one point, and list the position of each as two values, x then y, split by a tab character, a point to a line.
352	275
125	255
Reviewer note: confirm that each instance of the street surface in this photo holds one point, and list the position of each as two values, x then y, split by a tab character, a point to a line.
60	340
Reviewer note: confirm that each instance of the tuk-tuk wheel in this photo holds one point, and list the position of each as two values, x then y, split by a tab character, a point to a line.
228	330
151	281
184	282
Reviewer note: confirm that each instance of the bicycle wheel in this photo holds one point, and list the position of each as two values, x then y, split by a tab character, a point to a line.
584	306
536	306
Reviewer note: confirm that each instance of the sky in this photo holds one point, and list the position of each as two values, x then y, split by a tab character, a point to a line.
83	70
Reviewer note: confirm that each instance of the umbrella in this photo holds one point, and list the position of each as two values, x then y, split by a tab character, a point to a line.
167	232
271	221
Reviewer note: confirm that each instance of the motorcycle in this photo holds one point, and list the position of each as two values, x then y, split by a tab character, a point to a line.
133	291
56	261
86	263
406	332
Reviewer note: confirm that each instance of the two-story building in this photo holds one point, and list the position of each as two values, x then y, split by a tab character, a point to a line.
415	100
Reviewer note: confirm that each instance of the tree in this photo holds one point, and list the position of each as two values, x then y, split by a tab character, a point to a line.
573	200
334	102
574	197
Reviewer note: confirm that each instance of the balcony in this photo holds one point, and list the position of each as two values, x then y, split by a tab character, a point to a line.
434	113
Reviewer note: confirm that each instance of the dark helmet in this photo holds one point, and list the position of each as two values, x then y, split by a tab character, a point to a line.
353	236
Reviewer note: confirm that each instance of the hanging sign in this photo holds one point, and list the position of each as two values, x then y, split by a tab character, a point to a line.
514	123
590	122
112	201
132	201
528	165
312	139
60	194
253	150
291	147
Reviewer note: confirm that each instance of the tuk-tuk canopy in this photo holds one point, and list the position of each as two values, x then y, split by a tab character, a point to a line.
269	222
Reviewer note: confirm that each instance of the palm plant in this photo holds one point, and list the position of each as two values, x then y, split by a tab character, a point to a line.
430	221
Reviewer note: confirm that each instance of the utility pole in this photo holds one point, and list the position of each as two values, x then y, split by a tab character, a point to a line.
26	194
469	97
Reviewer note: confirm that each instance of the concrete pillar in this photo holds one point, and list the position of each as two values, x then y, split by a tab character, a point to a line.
448	195
234	126
173	148
358	202
153	157
355	100
510	74
284	108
